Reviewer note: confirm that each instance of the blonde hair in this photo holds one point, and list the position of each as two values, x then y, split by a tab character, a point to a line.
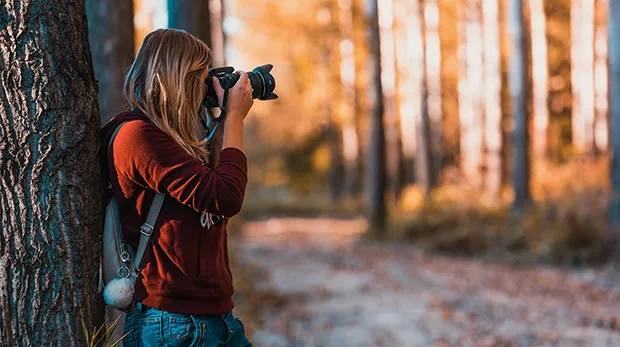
166	83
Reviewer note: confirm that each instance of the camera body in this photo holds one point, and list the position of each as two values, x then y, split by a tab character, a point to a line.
262	81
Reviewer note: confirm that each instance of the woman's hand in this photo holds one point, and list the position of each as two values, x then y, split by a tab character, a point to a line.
239	103
240	99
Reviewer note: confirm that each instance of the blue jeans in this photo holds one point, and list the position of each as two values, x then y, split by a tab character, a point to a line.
147	326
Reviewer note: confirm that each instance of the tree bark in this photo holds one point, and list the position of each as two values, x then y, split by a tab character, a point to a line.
51	190
111	35
518	86
540	72
377	179
614	111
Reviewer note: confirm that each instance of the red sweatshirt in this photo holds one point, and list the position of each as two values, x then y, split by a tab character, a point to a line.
186	265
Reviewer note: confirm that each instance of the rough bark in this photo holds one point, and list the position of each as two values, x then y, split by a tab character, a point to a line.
111	34
51	204
614	111
518	87
377	179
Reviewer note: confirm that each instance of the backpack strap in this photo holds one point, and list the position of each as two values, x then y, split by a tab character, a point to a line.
146	230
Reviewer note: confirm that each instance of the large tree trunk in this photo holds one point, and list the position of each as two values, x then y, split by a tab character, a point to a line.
50	184
377	179
540	73
518	88
110	30
614	111
492	98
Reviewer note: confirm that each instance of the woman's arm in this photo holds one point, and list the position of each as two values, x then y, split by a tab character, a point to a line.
149	157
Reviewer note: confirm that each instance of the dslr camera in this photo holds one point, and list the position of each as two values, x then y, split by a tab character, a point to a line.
262	81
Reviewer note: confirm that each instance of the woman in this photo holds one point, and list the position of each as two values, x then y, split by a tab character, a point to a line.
184	292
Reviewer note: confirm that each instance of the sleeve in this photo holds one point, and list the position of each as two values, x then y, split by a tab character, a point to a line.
150	157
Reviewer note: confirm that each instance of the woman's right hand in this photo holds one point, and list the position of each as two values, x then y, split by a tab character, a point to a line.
240	99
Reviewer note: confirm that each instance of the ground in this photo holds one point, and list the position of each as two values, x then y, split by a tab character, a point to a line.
330	289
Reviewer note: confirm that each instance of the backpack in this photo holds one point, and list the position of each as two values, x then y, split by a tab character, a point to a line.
120	265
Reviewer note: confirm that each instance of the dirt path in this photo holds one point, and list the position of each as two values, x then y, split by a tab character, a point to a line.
338	292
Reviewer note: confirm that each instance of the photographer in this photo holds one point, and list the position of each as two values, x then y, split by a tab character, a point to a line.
183	294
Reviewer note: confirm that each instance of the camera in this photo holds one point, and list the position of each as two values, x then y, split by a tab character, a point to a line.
262	81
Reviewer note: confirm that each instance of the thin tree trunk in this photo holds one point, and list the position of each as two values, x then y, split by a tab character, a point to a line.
492	98
471	109
376	169
614	112
362	80
51	190
518	87
582	55
540	72
350	141
216	15
432	53
409	54
424	167
192	16
110	30
388	80
601	79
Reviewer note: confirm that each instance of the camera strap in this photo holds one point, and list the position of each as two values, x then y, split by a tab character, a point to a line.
222	116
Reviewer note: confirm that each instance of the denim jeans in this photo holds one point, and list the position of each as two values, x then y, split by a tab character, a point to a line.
147	326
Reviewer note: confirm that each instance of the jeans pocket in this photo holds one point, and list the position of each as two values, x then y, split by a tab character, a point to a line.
178	330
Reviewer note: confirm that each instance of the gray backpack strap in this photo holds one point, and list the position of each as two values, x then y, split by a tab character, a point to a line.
146	230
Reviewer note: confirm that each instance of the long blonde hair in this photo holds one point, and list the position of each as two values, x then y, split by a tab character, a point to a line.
166	83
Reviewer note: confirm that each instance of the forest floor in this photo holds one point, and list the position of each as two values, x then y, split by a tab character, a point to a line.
322	286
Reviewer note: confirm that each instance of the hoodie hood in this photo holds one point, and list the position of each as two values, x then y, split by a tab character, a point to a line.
106	134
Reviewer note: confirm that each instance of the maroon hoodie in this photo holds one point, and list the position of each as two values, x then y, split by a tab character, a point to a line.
186	265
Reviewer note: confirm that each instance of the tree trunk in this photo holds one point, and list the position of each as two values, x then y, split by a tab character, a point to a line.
582	65
614	111
432	53
492	98
376	170
110	30
423	165
518	88
470	93
601	79
192	16
409	53
50	184
350	140
388	81
216	15
540	73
